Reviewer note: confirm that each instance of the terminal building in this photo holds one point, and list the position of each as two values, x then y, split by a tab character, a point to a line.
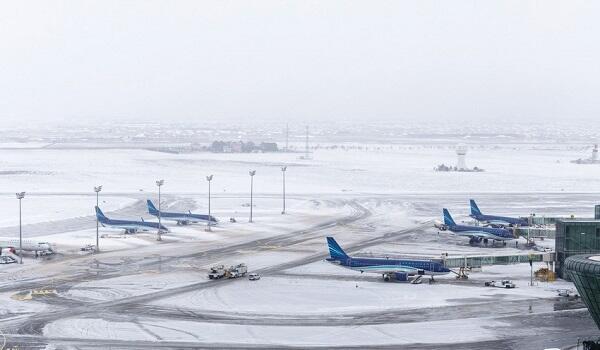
584	271
576	237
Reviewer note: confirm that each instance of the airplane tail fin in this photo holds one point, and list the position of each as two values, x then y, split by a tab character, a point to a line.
100	215
151	208
335	250
474	208
448	220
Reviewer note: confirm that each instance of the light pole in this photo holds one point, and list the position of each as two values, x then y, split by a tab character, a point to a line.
283	169
208	222
20	196
97	189
252	173
159	183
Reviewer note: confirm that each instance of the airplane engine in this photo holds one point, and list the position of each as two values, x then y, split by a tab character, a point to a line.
420	272
386	277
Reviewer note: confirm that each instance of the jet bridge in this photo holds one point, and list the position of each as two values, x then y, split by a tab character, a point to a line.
477	261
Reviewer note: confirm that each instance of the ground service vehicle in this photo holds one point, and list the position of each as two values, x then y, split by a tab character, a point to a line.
217	272
236	271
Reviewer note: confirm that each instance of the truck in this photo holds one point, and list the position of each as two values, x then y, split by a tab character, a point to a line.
217	272
236	271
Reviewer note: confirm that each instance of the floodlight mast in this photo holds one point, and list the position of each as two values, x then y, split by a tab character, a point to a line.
252	173
159	183
97	189
208	222
20	196
283	169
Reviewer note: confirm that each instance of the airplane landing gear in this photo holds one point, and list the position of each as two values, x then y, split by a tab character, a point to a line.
462	274
504	243
485	241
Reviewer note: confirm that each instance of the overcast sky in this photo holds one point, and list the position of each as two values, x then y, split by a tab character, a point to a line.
299	60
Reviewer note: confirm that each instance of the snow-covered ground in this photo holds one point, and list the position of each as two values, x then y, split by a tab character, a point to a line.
402	169
44	208
380	196
214	333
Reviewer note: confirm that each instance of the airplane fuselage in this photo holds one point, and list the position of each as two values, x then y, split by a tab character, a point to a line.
184	218
496	234
499	220
132	226
385	266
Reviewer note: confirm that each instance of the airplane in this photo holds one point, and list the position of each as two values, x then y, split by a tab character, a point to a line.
28	246
494	220
398	269
128	225
181	218
475	233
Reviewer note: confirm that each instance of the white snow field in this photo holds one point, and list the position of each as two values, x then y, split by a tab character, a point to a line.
402	169
211	333
138	292
43	208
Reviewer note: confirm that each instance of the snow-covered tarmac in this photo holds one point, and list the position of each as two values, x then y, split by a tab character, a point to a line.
140	293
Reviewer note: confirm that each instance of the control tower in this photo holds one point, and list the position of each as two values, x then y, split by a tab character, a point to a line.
461	152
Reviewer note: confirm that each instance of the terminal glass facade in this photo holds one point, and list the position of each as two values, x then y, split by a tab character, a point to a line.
574	237
584	271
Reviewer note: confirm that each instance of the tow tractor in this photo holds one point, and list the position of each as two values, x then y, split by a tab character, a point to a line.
217	272
501	284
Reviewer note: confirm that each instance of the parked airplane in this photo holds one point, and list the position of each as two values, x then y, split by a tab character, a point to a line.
28	246
398	269
494	220
476	233
128	225
181	218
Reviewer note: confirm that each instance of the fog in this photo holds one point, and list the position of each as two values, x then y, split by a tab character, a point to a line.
297	61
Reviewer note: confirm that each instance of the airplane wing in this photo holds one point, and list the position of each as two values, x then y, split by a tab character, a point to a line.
389	269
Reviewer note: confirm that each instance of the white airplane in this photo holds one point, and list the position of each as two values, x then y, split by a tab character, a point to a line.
28	245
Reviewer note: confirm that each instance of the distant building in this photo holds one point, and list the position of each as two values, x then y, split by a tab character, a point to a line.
592	160
269	147
242	147
461	163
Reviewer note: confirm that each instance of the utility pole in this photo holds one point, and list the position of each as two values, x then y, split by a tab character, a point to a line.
208	222
20	196
97	189
531	268
283	169
159	183
252	173
287	136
